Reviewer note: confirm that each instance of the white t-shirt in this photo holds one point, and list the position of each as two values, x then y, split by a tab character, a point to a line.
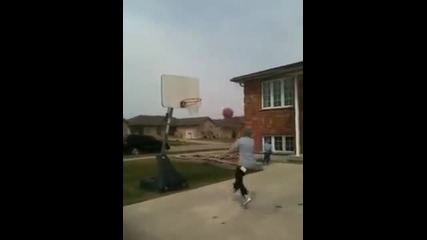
245	146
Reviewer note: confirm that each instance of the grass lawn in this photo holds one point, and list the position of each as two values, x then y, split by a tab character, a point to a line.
197	175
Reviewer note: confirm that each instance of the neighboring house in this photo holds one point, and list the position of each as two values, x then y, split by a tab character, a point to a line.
199	127
185	128
273	102
229	127
150	125
126	130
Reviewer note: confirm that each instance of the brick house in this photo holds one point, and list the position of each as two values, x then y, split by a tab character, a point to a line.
273	106
198	127
185	128
150	125
229	127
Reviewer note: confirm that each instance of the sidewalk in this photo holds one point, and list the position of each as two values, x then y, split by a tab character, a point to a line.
176	154
187	148
184	149
213	213
209	142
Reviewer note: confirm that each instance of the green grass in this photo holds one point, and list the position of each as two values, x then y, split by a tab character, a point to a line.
197	175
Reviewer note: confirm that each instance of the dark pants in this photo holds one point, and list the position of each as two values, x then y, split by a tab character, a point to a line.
267	157
238	184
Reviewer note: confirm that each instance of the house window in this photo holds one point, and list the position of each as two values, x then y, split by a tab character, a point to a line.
289	144
279	143
278	93
266	94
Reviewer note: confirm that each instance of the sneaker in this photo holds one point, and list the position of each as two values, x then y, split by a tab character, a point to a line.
247	200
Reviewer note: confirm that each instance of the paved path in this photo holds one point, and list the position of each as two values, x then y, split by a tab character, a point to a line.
194	149
209	142
198	147
172	154
213	213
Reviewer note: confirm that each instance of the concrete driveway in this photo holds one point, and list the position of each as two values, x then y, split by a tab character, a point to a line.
150	156
214	213
212	146
205	146
209	142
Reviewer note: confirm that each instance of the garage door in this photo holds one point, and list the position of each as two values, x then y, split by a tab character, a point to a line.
189	134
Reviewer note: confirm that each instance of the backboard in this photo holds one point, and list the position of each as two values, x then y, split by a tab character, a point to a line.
174	89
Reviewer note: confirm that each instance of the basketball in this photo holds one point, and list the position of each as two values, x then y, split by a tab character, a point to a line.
227	113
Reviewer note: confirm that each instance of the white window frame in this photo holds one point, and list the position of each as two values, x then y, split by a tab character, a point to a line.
273	148
282	94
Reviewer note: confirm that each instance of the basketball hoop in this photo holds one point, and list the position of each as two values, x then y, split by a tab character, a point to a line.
192	105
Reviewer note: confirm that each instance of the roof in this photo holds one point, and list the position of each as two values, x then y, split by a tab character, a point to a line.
294	67
145	120
234	122
192	121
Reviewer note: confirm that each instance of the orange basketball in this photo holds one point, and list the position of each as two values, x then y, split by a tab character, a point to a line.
227	113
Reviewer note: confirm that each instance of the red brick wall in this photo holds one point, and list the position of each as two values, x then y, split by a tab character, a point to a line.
266	122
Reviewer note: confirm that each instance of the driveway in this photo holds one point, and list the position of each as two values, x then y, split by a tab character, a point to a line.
194	149
150	156
199	147
213	212
209	142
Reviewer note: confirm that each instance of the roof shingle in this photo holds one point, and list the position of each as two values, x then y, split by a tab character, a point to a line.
234	122
293	67
145	120
191	121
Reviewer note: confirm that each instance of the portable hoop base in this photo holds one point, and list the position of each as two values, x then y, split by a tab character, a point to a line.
168	178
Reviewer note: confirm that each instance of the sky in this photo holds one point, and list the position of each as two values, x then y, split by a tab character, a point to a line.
213	41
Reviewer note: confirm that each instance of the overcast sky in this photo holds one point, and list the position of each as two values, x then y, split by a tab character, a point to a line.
211	40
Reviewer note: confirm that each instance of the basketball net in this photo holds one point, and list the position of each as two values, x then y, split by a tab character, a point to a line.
192	105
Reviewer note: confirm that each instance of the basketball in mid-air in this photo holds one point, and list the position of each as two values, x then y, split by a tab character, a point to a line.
227	113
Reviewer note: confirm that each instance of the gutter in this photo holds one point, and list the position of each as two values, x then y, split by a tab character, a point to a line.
267	73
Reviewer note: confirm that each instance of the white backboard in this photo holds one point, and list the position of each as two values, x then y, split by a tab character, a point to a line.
174	89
